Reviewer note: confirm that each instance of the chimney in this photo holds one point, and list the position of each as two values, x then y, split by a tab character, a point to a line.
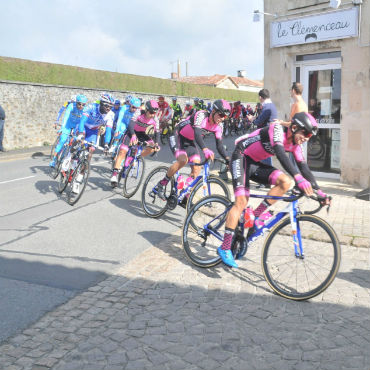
242	73
178	68
174	76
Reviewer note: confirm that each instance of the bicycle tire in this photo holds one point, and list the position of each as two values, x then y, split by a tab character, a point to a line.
199	245
63	181
152	205
296	271
62	155
56	141
135	172
72	197
197	191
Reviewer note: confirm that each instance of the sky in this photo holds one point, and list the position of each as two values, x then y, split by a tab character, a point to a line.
138	36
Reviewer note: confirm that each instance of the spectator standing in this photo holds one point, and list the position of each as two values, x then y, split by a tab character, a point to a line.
268	115
2	122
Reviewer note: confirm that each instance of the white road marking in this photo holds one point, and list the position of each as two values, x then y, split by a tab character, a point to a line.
21	178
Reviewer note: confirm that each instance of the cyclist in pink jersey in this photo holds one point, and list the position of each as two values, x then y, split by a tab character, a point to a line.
137	131
246	164
188	133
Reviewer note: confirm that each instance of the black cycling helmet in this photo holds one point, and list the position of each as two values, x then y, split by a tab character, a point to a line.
222	106
304	121
151	106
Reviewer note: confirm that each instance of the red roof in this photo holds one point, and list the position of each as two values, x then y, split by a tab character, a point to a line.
217	79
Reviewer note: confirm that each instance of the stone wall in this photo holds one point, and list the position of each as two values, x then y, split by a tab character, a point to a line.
31	110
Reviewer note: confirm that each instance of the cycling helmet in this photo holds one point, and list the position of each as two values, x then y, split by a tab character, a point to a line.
117	102
174	98
81	99
135	102
222	106
73	98
201	101
161	98
106	99
304	121
187	102
151	106
196	100
128	98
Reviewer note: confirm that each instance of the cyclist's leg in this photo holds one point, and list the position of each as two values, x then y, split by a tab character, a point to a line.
266	174
63	138
240	180
123	149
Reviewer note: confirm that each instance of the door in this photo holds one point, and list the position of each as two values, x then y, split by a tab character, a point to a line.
322	93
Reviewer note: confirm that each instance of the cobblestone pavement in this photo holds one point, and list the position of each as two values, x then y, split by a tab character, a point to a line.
161	312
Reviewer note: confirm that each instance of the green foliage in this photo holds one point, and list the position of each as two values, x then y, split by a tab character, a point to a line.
13	69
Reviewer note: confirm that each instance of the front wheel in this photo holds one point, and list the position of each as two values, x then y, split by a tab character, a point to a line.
154	206
302	265
133	177
203	230
78	182
215	186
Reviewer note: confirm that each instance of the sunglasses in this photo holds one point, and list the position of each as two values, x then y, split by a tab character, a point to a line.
81	104
152	111
105	105
133	107
221	114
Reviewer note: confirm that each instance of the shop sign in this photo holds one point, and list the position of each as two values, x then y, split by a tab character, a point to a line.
322	27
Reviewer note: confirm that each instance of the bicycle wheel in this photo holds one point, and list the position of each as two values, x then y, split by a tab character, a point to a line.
203	230
78	182
134	177
53	146
63	180
216	187
154	206
61	156
301	277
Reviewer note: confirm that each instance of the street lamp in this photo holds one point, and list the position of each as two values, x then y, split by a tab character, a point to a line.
257	15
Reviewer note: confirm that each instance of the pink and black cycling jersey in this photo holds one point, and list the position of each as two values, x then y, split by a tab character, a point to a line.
261	144
141	123
193	126
271	141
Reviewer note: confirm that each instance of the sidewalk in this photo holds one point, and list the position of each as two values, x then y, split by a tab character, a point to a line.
161	312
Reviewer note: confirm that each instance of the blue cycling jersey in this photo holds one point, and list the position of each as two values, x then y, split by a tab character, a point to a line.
72	117
92	119
127	117
121	113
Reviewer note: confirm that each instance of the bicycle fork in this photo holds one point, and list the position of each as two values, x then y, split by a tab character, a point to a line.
296	231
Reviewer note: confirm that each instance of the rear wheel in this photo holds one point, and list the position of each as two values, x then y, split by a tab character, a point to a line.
154	206
133	177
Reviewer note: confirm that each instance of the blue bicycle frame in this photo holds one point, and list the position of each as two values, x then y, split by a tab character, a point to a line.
292	209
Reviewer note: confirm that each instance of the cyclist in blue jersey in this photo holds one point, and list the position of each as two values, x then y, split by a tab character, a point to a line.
71	121
121	128
95	117
63	108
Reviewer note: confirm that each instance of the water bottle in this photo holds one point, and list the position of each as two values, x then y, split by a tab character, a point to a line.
248	217
180	182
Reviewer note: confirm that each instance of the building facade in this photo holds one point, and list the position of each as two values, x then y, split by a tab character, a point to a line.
325	46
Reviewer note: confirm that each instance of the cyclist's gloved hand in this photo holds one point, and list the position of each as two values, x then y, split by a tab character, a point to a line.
326	200
157	148
208	154
227	160
303	184
133	140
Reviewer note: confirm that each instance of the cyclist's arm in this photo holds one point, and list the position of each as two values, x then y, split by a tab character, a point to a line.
307	174
67	114
221	149
81	126
284	160
61	110
262	118
199	137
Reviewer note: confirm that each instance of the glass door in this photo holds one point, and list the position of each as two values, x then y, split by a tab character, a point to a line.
322	93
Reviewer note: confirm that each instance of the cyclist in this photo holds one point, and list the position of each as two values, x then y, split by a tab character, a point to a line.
246	164
164	113
189	132
188	110
62	109
70	122
95	117
197	106
110	127
177	111
137	131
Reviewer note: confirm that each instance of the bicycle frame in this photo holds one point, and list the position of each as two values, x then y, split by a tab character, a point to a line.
129	159
186	190
291	209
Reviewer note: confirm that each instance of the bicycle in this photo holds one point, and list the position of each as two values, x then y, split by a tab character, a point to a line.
165	132
74	177
300	255
133	170
204	184
63	153
56	141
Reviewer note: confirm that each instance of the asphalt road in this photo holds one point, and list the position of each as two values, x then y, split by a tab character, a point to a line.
49	250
